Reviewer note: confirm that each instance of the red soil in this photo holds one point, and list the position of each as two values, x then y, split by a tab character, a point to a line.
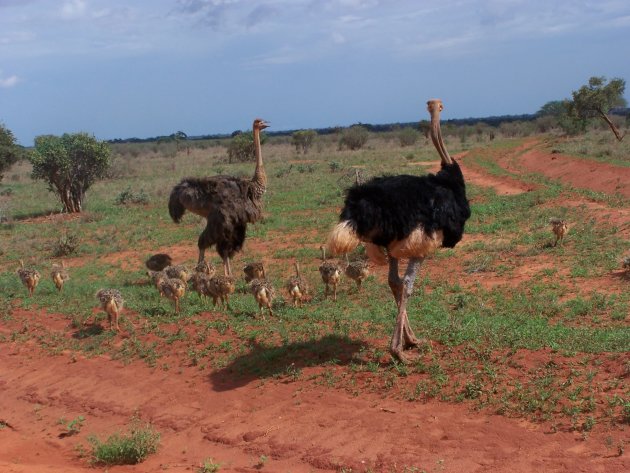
298	426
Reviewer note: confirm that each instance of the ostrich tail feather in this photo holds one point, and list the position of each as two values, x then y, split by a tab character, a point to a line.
342	239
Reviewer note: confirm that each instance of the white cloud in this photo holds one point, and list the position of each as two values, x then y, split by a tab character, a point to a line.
8	82
73	9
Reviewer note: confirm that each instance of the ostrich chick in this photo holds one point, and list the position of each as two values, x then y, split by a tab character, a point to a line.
296	286
254	271
30	277
200	279
357	271
112	303
59	275
205	267
179	271
171	288
158	262
626	263
331	274
559	228
264	293
220	288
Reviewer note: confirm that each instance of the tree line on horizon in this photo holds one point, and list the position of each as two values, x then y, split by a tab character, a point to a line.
70	164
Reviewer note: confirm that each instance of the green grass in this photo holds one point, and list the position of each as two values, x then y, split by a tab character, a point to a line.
125	448
477	327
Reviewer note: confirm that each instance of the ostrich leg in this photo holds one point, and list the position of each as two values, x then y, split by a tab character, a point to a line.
403	337
227	269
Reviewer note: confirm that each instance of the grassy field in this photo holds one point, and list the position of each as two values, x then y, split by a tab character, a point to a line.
518	326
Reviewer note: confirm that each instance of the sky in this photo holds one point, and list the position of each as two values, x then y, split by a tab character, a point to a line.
144	68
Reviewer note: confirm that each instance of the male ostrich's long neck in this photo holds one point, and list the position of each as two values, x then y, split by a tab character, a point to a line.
435	107
260	178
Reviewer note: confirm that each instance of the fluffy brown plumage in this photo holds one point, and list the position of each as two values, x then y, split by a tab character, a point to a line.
158	262
254	271
297	287
331	274
112	303
59	275
263	293
228	203
220	288
30	277
559	228
357	271
173	289
179	271
206	267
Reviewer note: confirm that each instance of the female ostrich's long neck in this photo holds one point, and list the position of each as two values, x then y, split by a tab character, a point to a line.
260	178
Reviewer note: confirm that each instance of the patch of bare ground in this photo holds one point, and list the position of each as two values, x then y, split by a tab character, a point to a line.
577	172
299	426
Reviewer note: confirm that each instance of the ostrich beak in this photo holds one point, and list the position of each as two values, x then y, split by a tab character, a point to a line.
264	124
435	107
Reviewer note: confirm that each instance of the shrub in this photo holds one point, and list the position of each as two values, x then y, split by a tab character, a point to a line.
125	449
408	136
10	152
241	147
130	197
303	140
354	137
66	245
70	164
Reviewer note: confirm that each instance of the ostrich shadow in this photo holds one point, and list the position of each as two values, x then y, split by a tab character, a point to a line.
265	361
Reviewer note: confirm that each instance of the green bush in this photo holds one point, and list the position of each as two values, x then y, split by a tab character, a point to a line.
125	449
303	140
10	152
130	197
408	136
354	137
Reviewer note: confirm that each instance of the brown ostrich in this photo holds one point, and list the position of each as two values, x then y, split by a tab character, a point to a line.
220	288
179	271
228	203
30	277
59	275
158	262
560	228
254	271
297	287
331	274
357	271
263	293
112	303
405	216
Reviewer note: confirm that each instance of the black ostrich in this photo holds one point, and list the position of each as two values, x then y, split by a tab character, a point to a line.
228	203
405	217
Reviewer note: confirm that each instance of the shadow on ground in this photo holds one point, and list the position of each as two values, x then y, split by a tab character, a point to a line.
264	361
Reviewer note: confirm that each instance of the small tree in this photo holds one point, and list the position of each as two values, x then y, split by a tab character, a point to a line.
241	148
10	152
303	140
70	164
597	98
408	136
354	137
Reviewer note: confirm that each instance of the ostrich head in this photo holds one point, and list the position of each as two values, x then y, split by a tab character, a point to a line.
435	107
260	124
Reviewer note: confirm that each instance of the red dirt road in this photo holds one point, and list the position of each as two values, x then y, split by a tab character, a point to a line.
297	426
